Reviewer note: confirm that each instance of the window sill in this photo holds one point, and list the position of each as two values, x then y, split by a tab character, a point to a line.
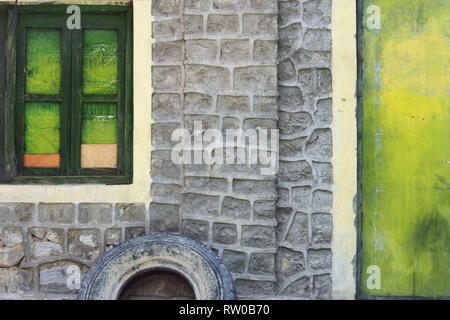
47	180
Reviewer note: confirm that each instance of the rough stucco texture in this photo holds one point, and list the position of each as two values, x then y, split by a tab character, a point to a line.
230	64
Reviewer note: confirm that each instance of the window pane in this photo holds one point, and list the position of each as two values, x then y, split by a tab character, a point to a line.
43	61
100	62
42	135
99	135
99	123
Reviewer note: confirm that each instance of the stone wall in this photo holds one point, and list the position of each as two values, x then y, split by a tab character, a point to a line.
305	176
39	243
229	64
214	61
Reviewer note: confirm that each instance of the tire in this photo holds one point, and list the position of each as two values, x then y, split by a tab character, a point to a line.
191	259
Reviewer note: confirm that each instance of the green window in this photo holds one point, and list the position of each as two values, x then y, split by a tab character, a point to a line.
72	105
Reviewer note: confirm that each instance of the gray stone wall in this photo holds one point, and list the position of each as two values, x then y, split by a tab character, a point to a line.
229	64
40	242
304	182
214	61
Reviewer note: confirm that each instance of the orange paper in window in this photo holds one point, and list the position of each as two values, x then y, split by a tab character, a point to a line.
41	160
98	155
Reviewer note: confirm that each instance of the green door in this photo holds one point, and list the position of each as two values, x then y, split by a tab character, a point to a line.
405	158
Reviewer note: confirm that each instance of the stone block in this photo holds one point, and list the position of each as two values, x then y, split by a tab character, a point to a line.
320	145
290	262
113	237
84	243
196	229
260	24
165	7
229	5
166	106
193	24
301	196
262	264
166	28
196	102
45	242
224	233
236	208
319	259
291	171
251	288
298	231
166	78
264	210
201	50
95	213
235	50
258	236
63	277
322	200
207	78
317	40
162	135
202	205
257	78
130	212
222	24
164	217
134	232
206	184
163	169
167	51
265	51
234	260
16	212
295	124
56	213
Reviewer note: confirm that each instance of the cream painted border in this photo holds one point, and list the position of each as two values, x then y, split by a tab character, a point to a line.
139	190
344	68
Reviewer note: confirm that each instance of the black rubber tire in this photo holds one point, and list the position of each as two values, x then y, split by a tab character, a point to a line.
159	251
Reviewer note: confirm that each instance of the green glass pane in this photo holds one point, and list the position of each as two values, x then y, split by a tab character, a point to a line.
99	109
99	123
100	62
42	128
43	61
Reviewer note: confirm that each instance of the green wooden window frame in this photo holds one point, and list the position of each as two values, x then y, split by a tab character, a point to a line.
71	97
3	27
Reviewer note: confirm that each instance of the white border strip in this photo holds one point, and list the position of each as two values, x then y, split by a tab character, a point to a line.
344	69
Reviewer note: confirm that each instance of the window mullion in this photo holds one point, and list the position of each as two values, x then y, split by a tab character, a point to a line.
66	95
75	159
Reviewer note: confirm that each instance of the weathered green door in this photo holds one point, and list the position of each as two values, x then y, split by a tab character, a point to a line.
405	158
